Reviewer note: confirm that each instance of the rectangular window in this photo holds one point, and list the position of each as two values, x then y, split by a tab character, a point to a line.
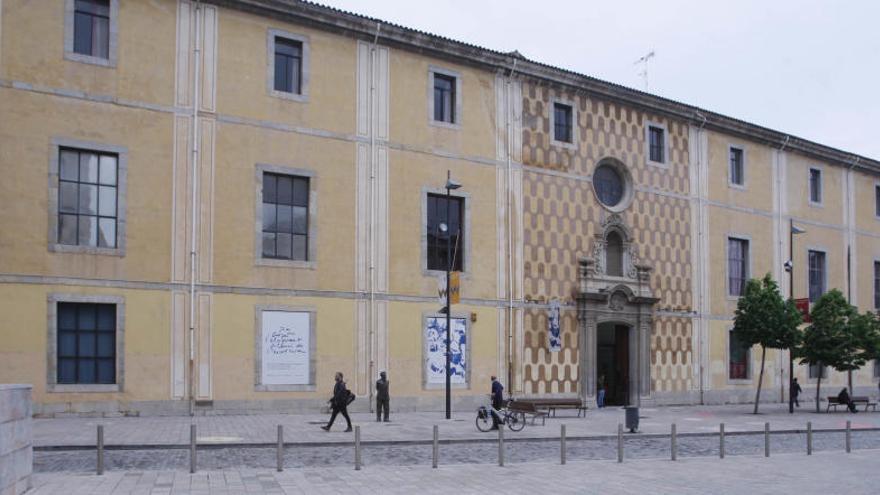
814	371
737	265
445	244
737	172
815	185
285	217
288	65
86	343
562	122
739	358
444	98
91	28
877	201
817	274
87	198
877	285
656	144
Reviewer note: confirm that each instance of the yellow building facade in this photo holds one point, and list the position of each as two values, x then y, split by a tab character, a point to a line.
214	206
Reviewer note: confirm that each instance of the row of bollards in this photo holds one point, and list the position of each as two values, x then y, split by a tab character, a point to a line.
435	450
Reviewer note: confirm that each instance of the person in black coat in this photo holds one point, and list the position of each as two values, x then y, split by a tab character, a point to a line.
339	403
844	398
795	391
382	397
497	400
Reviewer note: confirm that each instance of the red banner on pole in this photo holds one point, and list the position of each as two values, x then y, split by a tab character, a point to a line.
803	305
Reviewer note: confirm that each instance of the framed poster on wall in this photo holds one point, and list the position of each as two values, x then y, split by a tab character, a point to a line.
285	348
434	333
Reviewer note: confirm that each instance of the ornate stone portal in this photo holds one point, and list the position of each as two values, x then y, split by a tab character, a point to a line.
623	300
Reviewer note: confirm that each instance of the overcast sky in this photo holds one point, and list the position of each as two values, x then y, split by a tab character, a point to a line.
808	68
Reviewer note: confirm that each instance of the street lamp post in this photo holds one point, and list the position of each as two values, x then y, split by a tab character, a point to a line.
789	267
450	186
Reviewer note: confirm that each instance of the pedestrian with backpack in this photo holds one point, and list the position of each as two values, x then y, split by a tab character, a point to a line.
342	397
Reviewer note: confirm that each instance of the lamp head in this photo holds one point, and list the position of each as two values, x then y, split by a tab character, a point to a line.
443	227
789	265
452	185
797	230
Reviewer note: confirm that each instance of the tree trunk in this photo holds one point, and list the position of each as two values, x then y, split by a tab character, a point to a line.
849	381
760	379
818	383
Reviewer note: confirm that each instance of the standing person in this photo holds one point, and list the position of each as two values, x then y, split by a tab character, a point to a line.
600	399
795	392
497	400
339	403
382	397
844	398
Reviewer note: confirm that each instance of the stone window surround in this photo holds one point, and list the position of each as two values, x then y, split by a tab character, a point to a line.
745	176
305	73
456	123
749	363
749	262
821	202
666	159
52	385
466	265
69	54
876	194
626	177
875	261
821	249
468	352
258	348
311	263
573	145
121	195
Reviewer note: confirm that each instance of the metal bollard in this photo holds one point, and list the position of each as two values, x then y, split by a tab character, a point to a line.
721	441
279	453
809	438
848	436
100	450
562	444
357	448
436	449
766	439
673	442
501	445
192	448
619	442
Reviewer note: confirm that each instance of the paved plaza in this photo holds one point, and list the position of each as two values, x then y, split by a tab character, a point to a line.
821	473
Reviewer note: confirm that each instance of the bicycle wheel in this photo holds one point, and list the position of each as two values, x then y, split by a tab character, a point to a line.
516	421
484	421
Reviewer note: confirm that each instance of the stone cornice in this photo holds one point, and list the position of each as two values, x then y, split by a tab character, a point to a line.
367	28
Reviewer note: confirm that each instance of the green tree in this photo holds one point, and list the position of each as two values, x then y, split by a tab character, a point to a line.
764	318
865	329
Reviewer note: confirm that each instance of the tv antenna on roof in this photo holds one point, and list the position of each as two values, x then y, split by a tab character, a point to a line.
644	71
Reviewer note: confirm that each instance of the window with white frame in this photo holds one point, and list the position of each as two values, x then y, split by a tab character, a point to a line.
737	166
737	265
815	185
816	275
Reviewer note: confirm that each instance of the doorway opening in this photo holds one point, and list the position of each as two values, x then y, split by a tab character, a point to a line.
612	362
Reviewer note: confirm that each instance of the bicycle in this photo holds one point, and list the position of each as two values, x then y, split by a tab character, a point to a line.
516	421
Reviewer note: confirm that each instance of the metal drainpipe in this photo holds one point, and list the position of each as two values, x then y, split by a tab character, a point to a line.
371	346
193	209
508	104
701	292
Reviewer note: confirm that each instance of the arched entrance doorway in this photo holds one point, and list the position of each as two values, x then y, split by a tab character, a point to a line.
612	362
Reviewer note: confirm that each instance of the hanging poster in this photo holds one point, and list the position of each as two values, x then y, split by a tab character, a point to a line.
285	348
553	330
435	350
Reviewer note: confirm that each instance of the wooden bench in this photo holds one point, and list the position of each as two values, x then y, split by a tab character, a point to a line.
527	408
857	400
551	405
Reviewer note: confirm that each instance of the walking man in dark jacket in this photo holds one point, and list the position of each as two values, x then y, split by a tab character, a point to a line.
339	403
382	397
795	392
497	400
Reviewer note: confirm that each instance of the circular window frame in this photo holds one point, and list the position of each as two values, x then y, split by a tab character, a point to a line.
625	176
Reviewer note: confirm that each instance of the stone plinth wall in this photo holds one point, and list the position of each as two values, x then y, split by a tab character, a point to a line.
16	439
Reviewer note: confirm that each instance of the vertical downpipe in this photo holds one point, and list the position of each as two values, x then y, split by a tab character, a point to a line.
371	347
508	103
194	208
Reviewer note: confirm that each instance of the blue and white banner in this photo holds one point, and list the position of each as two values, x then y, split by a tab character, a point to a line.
435	350
554	335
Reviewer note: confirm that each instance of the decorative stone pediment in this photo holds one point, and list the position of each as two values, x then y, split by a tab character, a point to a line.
593	273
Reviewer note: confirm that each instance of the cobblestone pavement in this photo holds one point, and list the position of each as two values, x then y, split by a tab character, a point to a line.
417	426
822	473
84	461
